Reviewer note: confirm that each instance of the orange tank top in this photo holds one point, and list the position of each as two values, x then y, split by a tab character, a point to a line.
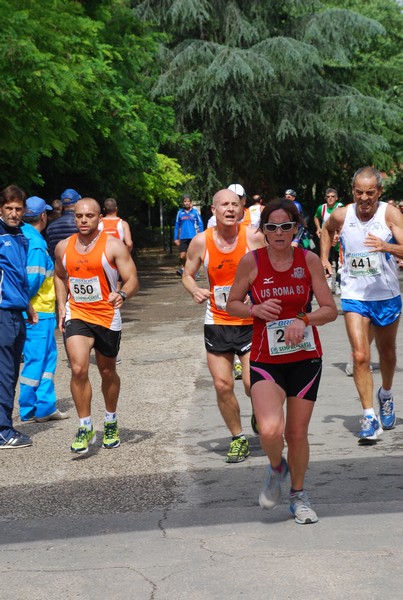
112	227
91	278
220	268
246	219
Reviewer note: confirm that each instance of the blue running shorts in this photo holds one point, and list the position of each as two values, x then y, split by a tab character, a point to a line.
380	312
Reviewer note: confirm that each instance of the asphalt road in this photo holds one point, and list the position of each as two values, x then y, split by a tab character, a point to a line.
164	516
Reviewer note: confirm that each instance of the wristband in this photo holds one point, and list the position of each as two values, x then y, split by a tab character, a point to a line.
251	307
303	317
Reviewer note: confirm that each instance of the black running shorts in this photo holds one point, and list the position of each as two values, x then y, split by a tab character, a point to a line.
233	339
300	379
184	244
106	341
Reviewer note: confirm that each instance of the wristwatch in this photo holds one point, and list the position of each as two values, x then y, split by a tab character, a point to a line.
304	317
123	294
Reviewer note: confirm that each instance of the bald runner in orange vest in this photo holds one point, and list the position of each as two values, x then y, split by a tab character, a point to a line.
219	249
87	267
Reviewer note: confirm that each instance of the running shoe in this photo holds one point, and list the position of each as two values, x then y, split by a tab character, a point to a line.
270	495
57	415
387	415
17	440
349	370
237	370
85	437
370	429
301	509
253	424
111	435
238	450
179	272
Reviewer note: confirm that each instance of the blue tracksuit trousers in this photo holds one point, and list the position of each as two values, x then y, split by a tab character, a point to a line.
37	389
12	336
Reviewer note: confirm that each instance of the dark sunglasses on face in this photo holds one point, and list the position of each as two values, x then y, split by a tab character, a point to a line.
272	227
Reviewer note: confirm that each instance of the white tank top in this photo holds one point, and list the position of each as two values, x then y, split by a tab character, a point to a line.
367	275
255	211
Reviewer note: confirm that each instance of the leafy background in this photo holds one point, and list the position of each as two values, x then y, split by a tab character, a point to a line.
146	100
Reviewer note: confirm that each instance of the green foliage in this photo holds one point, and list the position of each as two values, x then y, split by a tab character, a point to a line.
163	180
123	101
276	90
377	71
38	73
75	106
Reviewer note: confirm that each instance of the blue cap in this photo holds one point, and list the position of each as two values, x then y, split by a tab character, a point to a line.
69	196
35	206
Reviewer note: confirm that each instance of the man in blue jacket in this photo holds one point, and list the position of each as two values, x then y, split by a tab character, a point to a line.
64	226
188	222
14	299
37	398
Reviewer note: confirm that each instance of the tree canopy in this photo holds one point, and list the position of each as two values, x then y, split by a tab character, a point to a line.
75	106
278	90
146	99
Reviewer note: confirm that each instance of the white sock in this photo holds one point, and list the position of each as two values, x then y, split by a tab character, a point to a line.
110	417
86	422
369	412
385	394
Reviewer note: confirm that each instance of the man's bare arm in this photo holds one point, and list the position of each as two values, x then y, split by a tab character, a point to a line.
127	236
194	259
394	220
255	238
119	255
333	224
60	280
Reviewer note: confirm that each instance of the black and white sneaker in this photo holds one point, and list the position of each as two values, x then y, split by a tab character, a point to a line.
17	440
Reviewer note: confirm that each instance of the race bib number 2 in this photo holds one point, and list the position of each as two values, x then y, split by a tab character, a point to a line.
276	339
85	290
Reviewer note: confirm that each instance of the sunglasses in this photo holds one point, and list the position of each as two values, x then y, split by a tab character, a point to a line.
272	227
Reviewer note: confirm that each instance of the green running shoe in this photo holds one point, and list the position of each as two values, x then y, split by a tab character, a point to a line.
111	435
238	450
85	437
237	370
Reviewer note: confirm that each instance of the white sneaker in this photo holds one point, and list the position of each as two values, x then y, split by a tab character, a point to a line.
301	509
270	495
349	369
58	415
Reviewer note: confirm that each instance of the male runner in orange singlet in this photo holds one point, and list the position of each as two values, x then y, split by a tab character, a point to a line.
114	225
219	249
86	273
